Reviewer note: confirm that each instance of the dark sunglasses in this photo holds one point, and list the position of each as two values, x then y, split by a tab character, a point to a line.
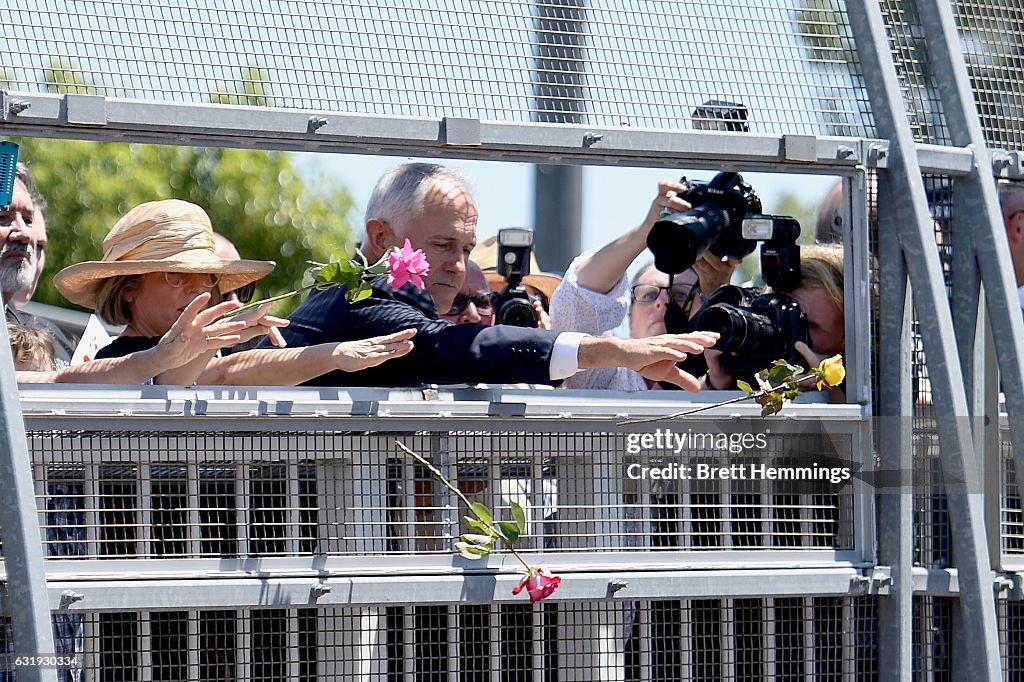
484	303
244	293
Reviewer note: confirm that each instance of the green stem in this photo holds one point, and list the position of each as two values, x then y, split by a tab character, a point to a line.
512	549
702	408
434	470
256	304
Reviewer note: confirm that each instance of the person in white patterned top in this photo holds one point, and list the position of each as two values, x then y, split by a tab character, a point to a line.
595	296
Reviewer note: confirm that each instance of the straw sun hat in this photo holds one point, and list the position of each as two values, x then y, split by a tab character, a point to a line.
485	254
158	236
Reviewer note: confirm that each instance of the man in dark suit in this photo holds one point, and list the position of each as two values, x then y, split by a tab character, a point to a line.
432	207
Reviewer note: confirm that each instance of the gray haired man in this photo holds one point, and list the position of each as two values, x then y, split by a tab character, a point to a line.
23	256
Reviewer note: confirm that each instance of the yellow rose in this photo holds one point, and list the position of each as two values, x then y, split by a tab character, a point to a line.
830	372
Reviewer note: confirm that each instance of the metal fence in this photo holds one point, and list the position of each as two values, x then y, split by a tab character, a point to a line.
302	546
247	535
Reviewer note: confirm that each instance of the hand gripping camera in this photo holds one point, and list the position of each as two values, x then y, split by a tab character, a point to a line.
726	218
515	305
759	329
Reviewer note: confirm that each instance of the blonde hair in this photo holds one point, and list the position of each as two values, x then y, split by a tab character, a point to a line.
821	267
111	305
31	346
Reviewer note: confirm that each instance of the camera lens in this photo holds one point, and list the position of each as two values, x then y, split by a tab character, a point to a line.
517	312
740	330
678	240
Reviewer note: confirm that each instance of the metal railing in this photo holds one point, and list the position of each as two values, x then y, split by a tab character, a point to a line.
231	551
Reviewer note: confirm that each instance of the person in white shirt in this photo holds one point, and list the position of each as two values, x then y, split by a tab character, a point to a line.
595	296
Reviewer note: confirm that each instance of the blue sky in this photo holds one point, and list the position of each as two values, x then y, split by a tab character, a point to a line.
614	200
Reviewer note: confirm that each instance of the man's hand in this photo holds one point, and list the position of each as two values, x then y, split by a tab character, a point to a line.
654	357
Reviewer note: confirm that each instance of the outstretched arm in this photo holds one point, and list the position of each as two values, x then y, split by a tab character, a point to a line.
292	366
194	334
607	265
195	345
654	357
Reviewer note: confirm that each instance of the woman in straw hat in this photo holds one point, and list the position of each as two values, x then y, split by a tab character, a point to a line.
157	276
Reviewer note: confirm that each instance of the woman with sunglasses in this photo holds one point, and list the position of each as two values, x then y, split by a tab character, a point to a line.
595	296
158	274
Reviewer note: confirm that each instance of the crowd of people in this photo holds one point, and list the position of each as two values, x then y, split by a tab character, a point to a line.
172	283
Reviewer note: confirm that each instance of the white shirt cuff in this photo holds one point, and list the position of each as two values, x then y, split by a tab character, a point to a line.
565	355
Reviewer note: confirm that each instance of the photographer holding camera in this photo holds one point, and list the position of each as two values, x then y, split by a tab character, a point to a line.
595	295
819	297
522	290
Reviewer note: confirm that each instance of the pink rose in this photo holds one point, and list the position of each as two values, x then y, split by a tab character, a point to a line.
539	584
407	265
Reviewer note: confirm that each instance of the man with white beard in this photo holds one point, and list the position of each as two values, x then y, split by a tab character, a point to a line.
22	257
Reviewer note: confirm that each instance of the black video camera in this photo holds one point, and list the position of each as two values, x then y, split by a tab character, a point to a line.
758	328
726	218
515	304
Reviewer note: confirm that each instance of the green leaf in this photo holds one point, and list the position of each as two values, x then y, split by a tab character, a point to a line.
483	513
772	404
363	292
328	272
779	373
519	515
472	552
477	539
476	524
744	386
377	269
509	531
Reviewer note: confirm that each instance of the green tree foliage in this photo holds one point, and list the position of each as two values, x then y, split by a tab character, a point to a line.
252	90
256	199
64	78
803	208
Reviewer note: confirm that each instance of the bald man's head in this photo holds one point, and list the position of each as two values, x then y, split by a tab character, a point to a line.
223	248
475	300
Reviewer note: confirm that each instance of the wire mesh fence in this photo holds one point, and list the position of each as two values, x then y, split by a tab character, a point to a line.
775	66
138	495
645	63
791	638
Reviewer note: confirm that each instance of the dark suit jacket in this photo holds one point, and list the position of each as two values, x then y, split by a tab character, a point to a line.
443	353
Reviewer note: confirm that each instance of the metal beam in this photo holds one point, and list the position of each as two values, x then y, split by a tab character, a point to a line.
147	595
895	447
905	197
19	528
559	143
